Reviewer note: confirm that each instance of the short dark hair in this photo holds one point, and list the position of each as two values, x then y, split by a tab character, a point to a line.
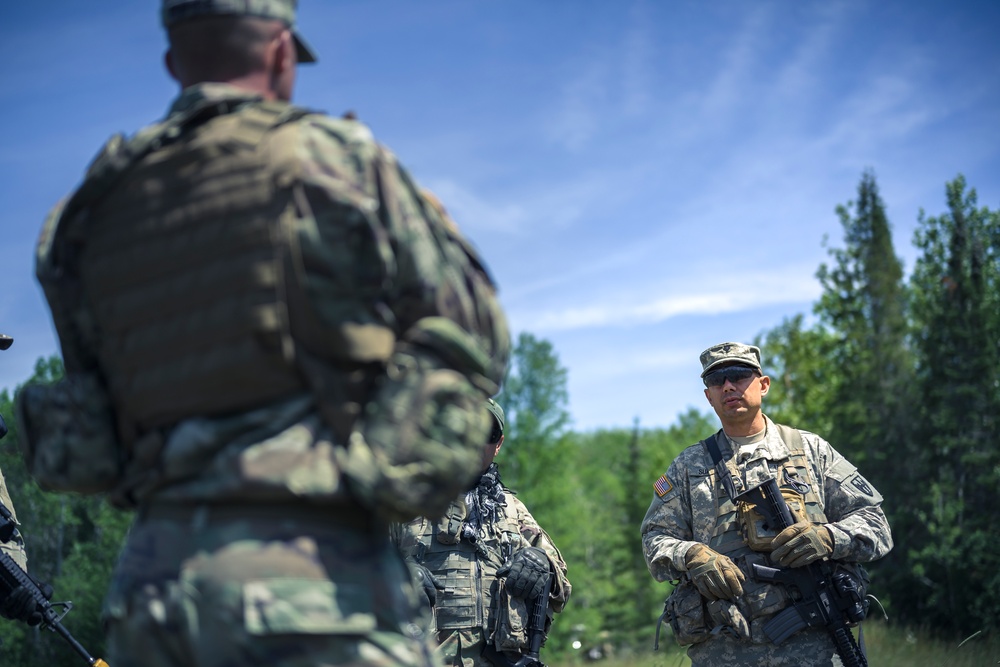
221	48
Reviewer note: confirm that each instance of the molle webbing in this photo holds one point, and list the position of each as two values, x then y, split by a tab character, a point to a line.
184	269
468	573
726	536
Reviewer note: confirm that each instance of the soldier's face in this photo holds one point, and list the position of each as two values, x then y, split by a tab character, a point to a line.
738	401
490	451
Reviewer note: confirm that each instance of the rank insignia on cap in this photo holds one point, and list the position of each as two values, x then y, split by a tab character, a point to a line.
662	486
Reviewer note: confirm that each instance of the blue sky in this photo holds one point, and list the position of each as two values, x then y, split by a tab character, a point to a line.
644	178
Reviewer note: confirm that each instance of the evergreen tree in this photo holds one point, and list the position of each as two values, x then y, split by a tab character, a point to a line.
863	305
798	361
955	552
849	377
72	543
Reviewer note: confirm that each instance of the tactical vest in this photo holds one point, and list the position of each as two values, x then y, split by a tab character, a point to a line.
467	570
189	264
795	472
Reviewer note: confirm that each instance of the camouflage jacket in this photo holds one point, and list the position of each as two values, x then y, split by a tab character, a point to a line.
684	506
15	547
467	569
379	263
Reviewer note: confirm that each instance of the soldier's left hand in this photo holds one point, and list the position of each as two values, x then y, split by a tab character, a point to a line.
801	544
20	604
527	573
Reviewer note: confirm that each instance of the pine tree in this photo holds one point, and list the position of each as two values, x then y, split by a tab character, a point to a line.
956	283
864	306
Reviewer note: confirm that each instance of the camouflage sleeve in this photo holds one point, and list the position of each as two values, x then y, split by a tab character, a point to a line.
15	546
667	531
427	295
75	326
405	536
852	505
67	316
535	536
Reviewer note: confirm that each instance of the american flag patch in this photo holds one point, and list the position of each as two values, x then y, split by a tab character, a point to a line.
662	486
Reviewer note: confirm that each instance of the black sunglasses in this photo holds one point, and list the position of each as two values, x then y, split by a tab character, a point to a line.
735	374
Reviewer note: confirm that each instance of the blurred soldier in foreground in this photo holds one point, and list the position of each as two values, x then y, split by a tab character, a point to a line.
275	345
483	564
17	605
703	529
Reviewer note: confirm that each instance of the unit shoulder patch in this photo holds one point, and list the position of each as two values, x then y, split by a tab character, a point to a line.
861	484
662	486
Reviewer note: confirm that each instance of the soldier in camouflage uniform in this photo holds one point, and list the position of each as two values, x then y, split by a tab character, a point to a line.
18	604
694	534
275	346
482	564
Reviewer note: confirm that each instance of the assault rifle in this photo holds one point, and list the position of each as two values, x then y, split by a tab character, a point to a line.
12	576
536	635
828	598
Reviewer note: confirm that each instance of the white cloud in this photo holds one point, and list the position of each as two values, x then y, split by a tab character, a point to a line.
637	304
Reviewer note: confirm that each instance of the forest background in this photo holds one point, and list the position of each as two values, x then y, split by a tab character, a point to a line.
899	371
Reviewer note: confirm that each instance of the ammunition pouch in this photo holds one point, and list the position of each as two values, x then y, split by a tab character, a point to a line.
68	436
450	525
757	534
416	447
510	620
685	610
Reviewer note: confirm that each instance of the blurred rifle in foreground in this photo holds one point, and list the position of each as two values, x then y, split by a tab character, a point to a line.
12	577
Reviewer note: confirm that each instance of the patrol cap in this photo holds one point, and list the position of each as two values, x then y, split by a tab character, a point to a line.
496	411
176	11
730	354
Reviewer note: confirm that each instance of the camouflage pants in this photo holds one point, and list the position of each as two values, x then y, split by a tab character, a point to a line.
225	587
808	648
462	648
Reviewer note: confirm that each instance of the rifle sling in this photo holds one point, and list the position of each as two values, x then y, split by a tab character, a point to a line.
725	476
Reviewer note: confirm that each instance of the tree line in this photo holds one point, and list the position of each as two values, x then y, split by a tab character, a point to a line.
898	372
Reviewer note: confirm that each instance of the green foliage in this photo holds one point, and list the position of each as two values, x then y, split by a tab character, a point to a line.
589	492
888	646
798	363
868	363
903	378
72	543
534	400
956	284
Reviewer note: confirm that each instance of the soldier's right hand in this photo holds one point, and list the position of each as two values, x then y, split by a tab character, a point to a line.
528	572
715	576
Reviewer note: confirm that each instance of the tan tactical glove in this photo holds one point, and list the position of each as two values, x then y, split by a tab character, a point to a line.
715	576
801	544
